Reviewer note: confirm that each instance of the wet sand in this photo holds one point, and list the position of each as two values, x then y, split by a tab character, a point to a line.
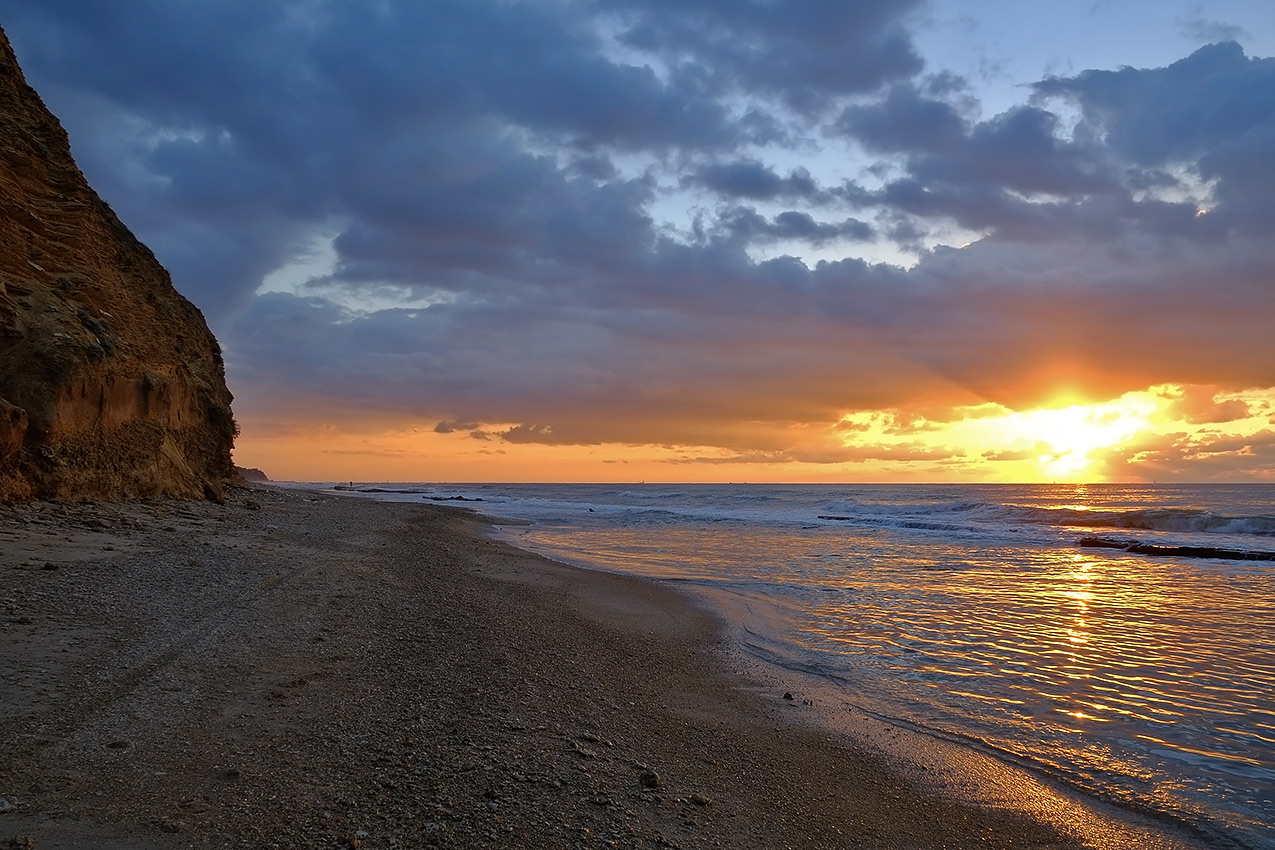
299	670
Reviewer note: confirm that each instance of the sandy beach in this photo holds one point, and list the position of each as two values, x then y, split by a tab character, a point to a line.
293	669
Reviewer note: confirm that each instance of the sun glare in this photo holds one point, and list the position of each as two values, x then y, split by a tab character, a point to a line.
1062	444
1072	435
1070	442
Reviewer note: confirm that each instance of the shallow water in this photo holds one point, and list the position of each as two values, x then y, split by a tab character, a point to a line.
972	611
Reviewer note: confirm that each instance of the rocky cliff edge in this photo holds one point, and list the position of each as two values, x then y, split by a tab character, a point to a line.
111	384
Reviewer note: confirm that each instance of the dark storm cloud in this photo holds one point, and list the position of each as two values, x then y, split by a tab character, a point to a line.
804	52
267	119
1212	113
495	177
905	120
753	180
1017	174
479	214
747	224
1020	150
1148	139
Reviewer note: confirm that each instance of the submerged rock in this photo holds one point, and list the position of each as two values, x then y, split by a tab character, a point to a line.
1167	551
111	384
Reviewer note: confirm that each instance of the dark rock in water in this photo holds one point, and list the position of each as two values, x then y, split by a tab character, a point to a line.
111	384
1155	549
1105	543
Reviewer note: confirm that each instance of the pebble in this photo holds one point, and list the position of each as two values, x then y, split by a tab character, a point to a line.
7	805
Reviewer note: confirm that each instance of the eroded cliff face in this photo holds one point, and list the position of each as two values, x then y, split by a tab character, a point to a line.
111	384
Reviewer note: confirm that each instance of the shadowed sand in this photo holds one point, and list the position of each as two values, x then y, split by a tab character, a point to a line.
298	670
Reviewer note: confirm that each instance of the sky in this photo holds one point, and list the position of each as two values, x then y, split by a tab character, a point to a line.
702	240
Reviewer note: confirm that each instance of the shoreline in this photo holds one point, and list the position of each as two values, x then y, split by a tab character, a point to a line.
298	668
944	764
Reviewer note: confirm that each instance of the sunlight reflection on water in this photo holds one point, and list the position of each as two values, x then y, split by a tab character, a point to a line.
1146	681
971	611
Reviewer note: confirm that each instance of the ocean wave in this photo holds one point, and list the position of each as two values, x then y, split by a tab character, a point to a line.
650	494
957	515
913	524
885	509
1176	519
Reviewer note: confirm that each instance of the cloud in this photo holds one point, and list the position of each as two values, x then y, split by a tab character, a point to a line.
804	52
451	427
1201	29
894	453
252	125
1212	112
1200	405
1152	150
1181	456
744	223
753	180
906	121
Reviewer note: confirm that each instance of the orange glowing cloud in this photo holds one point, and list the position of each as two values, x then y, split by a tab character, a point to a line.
1165	433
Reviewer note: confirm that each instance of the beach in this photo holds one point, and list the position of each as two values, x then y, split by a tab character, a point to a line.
293	669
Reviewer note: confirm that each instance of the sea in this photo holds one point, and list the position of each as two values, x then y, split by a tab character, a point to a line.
1118	640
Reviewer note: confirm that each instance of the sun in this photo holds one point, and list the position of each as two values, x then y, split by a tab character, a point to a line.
1070	436
1065	443
1069	441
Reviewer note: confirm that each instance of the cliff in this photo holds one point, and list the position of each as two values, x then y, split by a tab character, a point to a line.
111	384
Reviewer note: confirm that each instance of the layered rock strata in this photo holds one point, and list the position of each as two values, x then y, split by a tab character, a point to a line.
111	384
